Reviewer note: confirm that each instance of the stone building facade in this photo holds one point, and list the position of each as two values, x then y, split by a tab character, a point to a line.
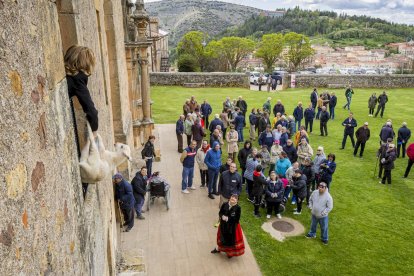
46	225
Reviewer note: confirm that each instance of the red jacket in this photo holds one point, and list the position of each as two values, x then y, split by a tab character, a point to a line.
410	151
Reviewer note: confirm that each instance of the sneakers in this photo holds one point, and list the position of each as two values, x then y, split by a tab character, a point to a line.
325	242
297	213
309	236
185	191
211	196
192	188
141	217
293	202
278	216
268	216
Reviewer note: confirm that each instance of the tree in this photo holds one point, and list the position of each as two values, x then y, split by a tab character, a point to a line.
188	63
234	49
270	49
299	49
192	44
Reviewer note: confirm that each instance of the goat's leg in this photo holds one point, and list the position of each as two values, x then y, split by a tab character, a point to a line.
85	151
101	146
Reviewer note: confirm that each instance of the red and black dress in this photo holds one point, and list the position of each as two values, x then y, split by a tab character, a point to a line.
229	234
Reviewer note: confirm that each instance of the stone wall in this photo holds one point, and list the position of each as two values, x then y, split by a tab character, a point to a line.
209	79
363	81
46	225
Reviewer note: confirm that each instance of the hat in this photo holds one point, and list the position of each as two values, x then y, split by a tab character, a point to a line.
117	176
298	171
389	140
366	123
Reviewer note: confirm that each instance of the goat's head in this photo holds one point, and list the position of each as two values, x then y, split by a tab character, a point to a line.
124	149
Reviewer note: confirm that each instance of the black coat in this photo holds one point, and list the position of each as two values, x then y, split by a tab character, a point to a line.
362	134
148	150
78	87
291	153
314	97
242	156
230	184
279	108
404	134
263	122
388	163
309	114
259	184
349	126
309	172
242	105
324	116
332	101
382	99
299	186
123	193
274	188
228	228
139	185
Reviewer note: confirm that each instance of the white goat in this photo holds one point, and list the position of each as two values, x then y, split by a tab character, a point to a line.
96	162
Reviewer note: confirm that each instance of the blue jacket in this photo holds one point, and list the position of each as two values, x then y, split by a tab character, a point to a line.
386	132
298	113
327	172
215	123
332	101
283	123
309	114
282	165
349	129
264	139
253	119
213	158
274	188
239	121
179	127
404	134
283	139
314	97
206	109
123	193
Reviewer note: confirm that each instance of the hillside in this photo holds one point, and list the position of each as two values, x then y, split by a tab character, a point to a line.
327	26
181	16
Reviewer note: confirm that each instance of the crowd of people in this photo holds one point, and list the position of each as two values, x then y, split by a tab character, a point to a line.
285	165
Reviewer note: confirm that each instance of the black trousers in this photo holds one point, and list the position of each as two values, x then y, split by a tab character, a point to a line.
308	191
189	139
387	176
206	122
243	179
381	168
351	135
128	217
358	143
399	146
299	201
310	124
382	108
371	110
249	188
204	177
324	128
257	200
180	142
273	206
409	165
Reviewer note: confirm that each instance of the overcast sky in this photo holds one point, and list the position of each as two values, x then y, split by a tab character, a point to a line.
401	11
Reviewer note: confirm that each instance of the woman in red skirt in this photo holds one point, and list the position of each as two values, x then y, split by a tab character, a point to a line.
229	234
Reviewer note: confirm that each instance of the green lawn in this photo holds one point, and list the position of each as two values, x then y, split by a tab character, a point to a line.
372	225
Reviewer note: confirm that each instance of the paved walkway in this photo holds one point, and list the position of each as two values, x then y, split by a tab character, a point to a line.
179	241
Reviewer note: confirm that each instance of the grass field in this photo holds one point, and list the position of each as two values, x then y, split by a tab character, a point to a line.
371	226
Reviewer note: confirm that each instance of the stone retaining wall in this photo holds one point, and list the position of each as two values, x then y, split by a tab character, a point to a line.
362	81
210	79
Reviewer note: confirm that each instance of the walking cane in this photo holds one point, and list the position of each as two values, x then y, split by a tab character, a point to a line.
121	215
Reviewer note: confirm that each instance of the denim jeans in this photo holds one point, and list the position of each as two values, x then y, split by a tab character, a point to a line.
139	202
332	112
212	181
148	164
298	124
240	133
348	103
188	174
323	222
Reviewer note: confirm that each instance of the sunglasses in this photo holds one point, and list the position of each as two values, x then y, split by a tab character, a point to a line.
321	186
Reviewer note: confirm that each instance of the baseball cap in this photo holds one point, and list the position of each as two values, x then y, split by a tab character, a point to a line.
117	175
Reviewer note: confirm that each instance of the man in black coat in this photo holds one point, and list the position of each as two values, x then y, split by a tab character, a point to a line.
124	195
242	105
309	115
242	157
279	108
388	163
382	100
179	130
387	132
230	183
404	135
206	110
350	123
291	152
332	103
314	98
216	122
381	154
139	187
263	123
298	186
362	135
323	119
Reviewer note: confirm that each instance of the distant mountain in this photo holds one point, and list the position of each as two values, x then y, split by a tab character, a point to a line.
213	17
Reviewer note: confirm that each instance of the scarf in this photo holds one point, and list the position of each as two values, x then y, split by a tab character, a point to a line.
205	149
256	173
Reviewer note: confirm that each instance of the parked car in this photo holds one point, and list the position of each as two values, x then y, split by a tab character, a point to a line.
254	77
